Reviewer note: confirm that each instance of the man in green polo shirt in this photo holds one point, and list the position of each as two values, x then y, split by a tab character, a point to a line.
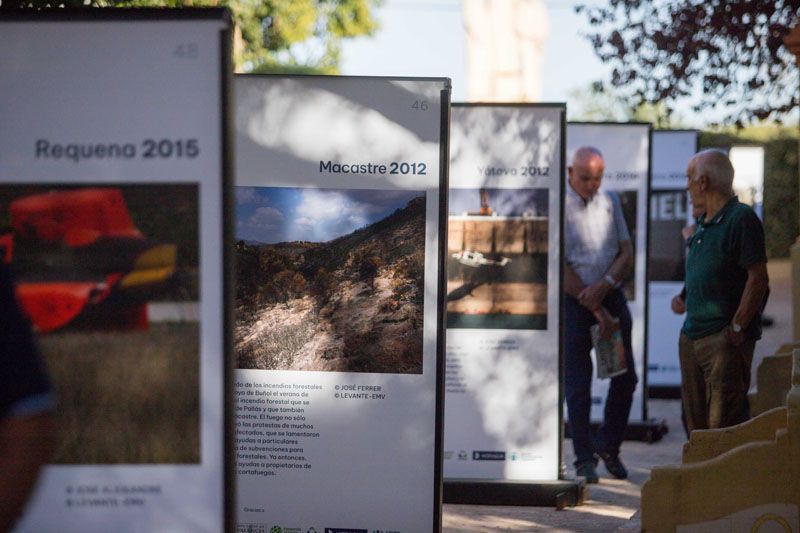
726	288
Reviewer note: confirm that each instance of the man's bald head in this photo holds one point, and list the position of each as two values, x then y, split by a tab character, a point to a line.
716	167
585	154
586	171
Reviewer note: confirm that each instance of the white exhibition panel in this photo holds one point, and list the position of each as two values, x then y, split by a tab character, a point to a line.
626	150
669	213
321	163
502	381
748	175
86	103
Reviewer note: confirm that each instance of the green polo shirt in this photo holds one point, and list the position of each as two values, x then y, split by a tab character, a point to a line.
720	251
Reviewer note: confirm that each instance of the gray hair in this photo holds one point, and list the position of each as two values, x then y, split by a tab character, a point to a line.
717	167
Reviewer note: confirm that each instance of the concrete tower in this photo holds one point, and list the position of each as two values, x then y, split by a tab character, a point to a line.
505	47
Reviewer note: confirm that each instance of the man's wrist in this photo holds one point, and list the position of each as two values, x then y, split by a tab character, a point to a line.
736	328
611	281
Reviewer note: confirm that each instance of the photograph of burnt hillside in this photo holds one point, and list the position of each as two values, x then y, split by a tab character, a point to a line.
329	279
497	250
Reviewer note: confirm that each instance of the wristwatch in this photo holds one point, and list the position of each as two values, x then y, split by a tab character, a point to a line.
736	327
611	281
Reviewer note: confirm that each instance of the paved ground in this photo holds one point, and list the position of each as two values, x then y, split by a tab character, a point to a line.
612	505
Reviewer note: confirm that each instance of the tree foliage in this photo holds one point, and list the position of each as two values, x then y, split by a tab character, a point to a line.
599	103
302	36
731	51
368	266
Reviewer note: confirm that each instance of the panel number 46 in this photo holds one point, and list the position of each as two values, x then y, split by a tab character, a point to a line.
420	105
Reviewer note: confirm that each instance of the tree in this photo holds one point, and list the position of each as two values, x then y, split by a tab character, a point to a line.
600	103
322	285
731	50
368	266
299	35
270	35
285	286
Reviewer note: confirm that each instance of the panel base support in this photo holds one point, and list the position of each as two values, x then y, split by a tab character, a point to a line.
558	494
650	430
664	392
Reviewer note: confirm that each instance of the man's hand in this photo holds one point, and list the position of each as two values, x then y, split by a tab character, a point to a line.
753	301
734	338
592	295
678	305
606	322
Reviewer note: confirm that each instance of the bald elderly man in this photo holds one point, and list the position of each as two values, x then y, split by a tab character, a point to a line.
599	256
726	289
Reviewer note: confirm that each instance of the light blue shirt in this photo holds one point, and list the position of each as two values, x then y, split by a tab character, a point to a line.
593	232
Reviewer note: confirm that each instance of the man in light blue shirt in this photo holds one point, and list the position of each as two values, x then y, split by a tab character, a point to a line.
599	256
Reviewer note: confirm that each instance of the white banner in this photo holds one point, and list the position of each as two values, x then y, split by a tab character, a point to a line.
504	293
338	205
111	183
669	214
748	175
626	150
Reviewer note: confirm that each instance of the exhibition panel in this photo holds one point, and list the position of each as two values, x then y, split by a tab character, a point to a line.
113	180
626	151
670	213
504	249
340	197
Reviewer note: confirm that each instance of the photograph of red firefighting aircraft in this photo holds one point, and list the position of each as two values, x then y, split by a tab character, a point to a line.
80	261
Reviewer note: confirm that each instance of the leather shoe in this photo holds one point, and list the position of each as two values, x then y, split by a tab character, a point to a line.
586	470
614	465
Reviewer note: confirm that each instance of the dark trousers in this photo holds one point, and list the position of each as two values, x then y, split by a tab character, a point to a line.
715	378
578	380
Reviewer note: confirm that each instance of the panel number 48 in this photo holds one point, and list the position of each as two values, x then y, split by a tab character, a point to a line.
187	51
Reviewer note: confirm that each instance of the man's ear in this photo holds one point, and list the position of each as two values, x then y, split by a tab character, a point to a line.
702	180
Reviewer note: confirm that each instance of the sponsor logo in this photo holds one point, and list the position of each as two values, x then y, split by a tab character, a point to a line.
462	455
523	456
448	455
283	529
344	530
312	530
488	456
251	528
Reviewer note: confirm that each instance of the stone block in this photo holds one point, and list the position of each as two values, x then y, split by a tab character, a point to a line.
752	486
773	379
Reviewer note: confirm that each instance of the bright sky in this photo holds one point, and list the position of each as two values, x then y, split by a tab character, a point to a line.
283	214
426	38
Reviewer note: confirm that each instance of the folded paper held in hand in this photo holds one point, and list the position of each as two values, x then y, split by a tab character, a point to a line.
609	353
